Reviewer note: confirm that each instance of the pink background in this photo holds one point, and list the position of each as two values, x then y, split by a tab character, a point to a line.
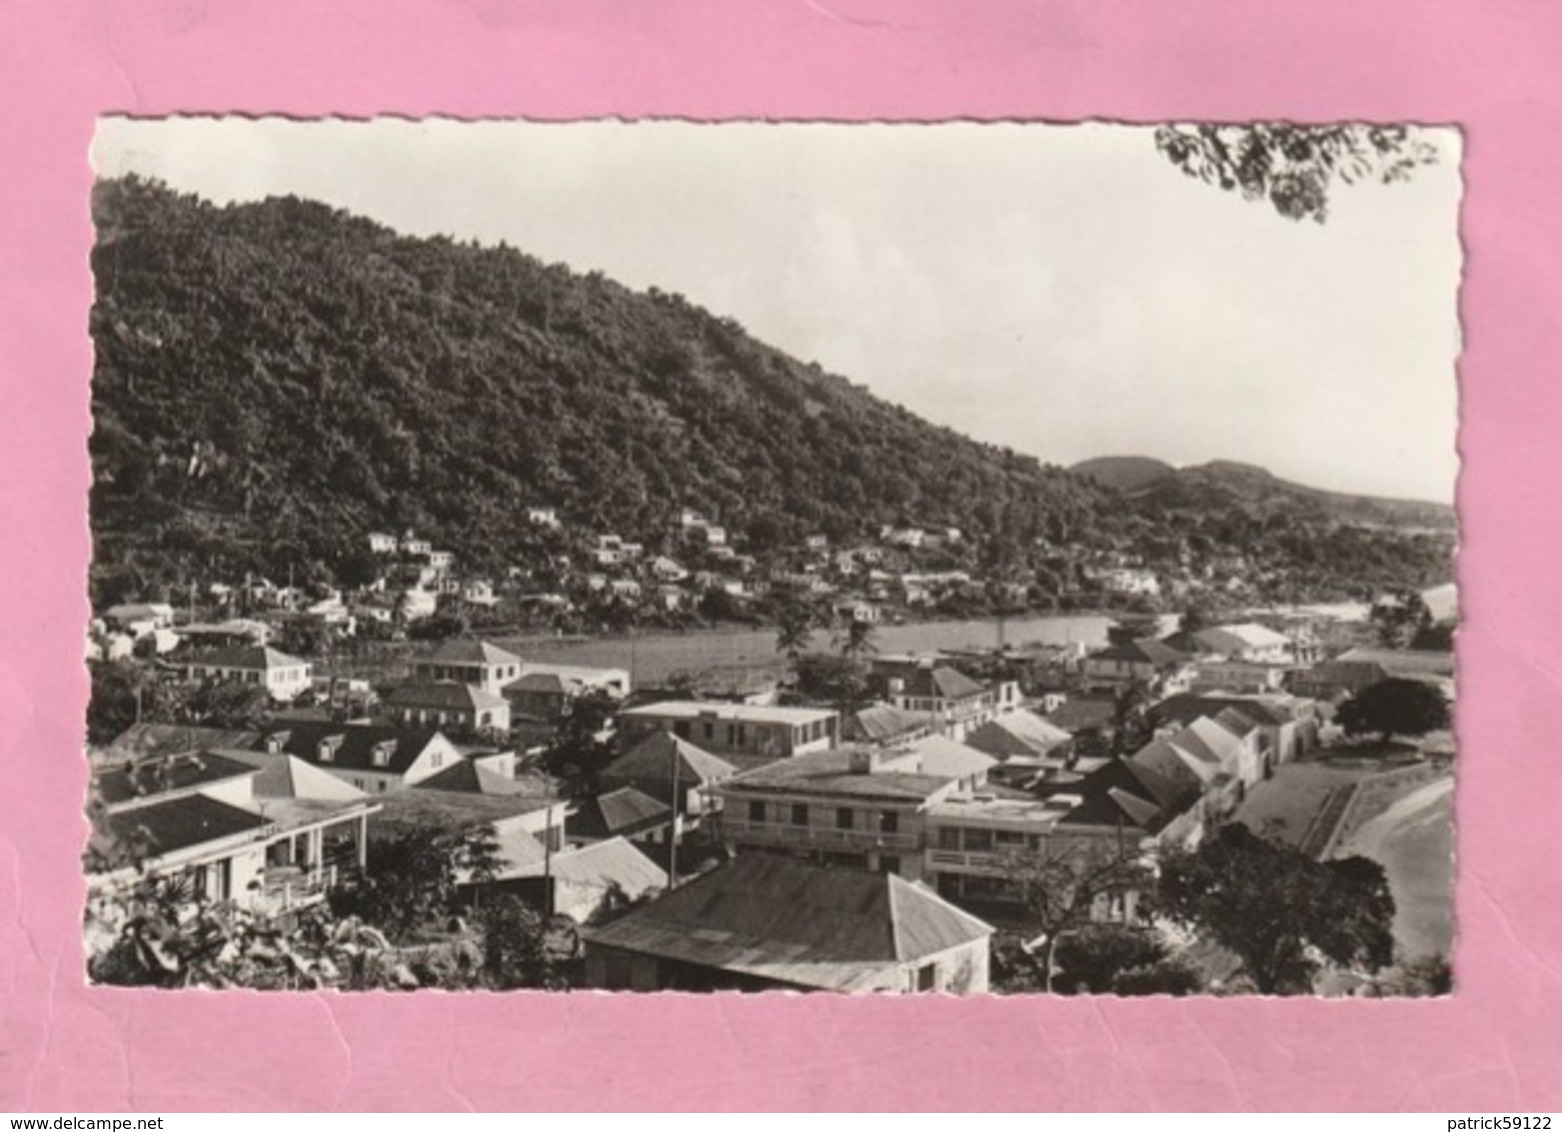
1490	66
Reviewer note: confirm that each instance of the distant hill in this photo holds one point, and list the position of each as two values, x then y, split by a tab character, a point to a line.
1125	473
1223	484
275	380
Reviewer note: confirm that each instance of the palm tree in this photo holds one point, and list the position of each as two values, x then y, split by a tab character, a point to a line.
794	629
859	639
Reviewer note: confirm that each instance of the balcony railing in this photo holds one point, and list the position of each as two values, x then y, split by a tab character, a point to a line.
959	859
817	837
284	888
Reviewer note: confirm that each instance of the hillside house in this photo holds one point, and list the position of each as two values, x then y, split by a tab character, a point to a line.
139	619
863	612
415	604
542	515
665	569
763	923
382	543
479	591
1129	582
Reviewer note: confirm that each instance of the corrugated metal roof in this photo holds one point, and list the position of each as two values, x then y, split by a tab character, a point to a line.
787	922
468	651
181	823
829	773
1020	732
651	760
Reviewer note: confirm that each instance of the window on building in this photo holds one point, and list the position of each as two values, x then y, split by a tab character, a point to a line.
927	977
710	730
949	837
799	814
843	818
756	811
978	840
889	865
889	822
681	729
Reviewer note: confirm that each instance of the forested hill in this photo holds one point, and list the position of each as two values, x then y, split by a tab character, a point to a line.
282	377
274	380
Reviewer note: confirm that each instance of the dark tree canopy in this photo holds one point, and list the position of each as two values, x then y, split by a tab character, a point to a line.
1279	911
1400	617
1292	166
1395	707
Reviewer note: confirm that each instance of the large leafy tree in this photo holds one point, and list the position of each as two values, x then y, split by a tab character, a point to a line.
580	749
1395	707
1294	166
1283	914
1059	884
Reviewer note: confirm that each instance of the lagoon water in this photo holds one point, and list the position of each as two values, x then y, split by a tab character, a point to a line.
652	658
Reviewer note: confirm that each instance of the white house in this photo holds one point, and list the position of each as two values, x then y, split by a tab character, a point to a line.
282	676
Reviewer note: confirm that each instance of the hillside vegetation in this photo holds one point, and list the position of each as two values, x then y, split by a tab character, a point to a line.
274	380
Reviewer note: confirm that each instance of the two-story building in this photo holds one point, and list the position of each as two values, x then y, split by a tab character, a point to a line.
448	705
952	701
1239	676
747	731
858	808
283	677
468	661
1147	661
1250	642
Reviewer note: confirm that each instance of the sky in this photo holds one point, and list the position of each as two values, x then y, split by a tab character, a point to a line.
1059	289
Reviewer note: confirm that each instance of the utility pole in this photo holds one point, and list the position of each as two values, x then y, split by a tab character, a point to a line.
672	840
547	863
